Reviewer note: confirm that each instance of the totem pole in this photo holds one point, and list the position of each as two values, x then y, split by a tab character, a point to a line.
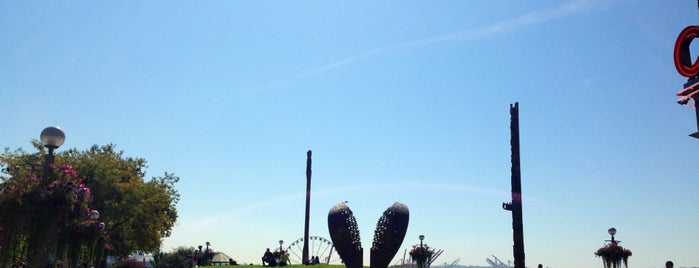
304	254
516	205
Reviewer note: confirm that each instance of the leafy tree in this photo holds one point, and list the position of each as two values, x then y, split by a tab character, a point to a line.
137	213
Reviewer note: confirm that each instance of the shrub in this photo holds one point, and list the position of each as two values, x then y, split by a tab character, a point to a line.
180	257
129	263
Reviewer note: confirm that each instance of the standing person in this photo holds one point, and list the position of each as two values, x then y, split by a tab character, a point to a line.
541	266
669	264
195	258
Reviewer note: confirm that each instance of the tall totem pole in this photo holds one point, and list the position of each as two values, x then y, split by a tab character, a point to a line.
304	254
516	205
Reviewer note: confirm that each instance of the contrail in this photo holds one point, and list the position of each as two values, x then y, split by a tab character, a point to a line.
497	28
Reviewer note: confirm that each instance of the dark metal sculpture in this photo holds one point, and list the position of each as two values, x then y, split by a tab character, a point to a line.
516	179
389	235
345	235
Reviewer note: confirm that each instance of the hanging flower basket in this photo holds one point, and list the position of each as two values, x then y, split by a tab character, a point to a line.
421	254
613	255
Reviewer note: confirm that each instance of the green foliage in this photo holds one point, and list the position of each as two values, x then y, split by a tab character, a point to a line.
137	213
180	258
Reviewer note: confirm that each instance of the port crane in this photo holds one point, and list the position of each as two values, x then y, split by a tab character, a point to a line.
497	263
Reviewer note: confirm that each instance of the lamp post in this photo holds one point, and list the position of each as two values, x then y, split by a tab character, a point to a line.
280	245
612	232
612	254
94	215
52	137
80	237
98	245
422	254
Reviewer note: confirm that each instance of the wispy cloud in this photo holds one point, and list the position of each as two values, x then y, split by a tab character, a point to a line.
370	188
507	25
487	31
238	211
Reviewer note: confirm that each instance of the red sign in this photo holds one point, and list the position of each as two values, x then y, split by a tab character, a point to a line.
683	59
689	68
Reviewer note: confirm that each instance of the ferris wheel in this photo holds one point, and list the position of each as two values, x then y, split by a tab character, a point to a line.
317	246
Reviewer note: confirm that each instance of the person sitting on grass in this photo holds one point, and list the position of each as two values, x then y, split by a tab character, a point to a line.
284	258
268	259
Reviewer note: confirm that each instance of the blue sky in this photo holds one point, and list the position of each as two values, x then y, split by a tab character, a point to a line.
400	101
